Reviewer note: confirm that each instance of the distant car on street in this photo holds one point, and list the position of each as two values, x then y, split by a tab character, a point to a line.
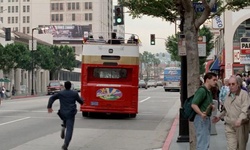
54	87
142	84
159	83
77	87
152	83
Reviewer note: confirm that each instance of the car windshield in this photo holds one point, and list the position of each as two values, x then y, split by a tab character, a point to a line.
141	81
54	84
77	85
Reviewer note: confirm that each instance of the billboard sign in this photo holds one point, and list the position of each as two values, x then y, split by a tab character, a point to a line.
64	32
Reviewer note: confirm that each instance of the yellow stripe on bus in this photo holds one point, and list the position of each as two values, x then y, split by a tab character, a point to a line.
98	60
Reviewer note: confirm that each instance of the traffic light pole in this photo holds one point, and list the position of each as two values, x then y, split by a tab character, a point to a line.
183	123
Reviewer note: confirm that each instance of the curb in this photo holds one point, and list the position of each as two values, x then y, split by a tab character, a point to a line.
171	134
25	96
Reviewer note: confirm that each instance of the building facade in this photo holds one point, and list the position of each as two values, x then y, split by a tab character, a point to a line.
227	44
25	15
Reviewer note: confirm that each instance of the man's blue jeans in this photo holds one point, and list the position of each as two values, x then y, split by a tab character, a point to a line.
202	131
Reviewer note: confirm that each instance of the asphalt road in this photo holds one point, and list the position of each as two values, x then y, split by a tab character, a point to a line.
26	125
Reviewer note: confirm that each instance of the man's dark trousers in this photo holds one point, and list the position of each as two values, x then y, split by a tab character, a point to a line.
69	130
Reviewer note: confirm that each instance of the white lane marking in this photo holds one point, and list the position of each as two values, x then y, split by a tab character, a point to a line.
145	99
14	121
49	117
37	111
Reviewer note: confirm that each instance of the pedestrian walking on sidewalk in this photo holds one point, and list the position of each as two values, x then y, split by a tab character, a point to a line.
202	104
67	111
223	93
235	115
1	94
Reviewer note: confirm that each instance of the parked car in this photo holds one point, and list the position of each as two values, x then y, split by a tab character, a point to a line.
152	83
54	87
159	83
142	84
77	87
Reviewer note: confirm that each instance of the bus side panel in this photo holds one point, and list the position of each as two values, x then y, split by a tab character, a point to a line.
101	99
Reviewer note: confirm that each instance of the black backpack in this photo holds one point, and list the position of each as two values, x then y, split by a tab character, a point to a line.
187	111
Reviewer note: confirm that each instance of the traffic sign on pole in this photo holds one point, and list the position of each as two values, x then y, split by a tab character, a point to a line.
34	44
245	50
202	46
199	7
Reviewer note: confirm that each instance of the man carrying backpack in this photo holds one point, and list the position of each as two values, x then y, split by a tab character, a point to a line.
202	104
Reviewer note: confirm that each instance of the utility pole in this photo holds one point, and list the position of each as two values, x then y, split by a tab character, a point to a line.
183	123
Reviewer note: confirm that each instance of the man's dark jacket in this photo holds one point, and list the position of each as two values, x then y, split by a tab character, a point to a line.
67	100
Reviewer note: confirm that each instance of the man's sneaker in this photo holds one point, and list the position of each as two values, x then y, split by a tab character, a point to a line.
64	147
63	132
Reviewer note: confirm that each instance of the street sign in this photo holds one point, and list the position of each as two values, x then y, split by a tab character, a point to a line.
34	44
85	34
198	7
236	56
182	47
218	22
229	70
202	46
245	50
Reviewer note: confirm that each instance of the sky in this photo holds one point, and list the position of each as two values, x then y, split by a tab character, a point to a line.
147	25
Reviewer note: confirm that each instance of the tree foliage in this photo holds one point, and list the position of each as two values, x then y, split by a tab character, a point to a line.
191	21
54	58
149	61
11	56
43	57
63	58
172	47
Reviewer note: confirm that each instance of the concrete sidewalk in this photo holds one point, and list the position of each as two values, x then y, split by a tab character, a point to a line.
24	96
216	141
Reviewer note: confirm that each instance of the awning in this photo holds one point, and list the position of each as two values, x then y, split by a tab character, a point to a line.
4	80
215	65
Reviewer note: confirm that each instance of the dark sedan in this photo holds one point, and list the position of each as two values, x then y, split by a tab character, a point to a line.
142	84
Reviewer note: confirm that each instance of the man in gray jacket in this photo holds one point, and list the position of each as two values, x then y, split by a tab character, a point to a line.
67	111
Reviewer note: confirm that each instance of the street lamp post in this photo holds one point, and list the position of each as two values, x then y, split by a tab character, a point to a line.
32	60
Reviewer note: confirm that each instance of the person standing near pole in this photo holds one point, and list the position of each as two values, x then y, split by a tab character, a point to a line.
202	104
1	94
67	111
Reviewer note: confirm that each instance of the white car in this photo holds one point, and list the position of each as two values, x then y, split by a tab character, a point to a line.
152	83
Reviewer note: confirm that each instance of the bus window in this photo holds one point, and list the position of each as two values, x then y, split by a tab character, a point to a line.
110	73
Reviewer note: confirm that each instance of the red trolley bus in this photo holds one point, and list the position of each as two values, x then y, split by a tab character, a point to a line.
109	79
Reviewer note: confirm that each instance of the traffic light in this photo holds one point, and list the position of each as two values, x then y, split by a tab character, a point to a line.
119	19
7	34
152	39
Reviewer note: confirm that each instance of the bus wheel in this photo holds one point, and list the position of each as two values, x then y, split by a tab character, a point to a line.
132	115
85	114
